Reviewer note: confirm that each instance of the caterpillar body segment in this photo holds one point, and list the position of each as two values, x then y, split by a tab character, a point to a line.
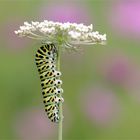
49	74
46	67
48	91
50	82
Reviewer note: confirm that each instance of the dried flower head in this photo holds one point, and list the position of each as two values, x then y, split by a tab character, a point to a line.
68	34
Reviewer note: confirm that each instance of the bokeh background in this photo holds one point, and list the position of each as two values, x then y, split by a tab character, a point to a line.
101	83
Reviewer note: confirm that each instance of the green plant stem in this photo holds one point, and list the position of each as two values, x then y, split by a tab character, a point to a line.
60	106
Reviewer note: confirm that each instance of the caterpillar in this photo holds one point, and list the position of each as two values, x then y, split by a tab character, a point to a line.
45	59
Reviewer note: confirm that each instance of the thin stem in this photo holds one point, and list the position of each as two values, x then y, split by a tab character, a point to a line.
36	35
60	105
34	38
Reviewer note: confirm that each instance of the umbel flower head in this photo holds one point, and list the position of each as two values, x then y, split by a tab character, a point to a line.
68	34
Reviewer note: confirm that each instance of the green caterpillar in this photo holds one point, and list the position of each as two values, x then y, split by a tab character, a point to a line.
45	59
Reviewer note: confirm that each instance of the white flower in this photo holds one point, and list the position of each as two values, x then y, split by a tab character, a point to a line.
71	34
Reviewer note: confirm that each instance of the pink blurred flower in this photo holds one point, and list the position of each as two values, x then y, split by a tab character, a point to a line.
121	70
10	38
101	106
117	68
65	12
132	86
33	125
125	17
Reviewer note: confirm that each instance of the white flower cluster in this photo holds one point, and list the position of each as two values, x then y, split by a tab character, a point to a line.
70	33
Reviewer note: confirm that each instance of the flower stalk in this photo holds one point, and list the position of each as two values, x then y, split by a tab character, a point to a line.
60	124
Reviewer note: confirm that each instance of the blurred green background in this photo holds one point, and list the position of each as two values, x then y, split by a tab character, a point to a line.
101	83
